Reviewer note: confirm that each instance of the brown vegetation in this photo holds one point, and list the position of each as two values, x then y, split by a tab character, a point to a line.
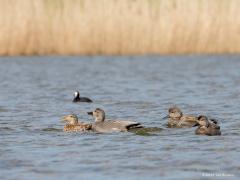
90	27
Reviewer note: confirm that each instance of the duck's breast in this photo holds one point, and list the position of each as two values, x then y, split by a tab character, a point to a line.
172	123
202	131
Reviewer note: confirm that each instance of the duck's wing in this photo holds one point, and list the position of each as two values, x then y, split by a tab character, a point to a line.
189	118
115	126
79	127
106	127
87	126
187	121
85	99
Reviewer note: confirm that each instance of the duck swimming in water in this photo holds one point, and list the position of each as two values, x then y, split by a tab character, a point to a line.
176	119
206	127
73	125
78	98
109	126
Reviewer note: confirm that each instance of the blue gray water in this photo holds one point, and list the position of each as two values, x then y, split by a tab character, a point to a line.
35	92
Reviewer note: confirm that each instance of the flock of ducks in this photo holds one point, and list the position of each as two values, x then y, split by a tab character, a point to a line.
176	119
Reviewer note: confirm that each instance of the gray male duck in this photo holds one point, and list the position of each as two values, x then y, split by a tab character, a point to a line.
176	119
78	98
108	126
206	127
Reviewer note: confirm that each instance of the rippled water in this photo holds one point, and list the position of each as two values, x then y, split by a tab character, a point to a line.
36	92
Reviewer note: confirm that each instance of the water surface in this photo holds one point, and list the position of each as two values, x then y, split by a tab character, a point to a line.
36	92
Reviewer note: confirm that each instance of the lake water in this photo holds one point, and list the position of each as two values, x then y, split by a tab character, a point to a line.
35	92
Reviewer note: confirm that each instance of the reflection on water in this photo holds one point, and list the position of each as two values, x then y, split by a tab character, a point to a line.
37	91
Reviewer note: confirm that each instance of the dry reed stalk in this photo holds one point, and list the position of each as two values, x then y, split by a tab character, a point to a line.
119	27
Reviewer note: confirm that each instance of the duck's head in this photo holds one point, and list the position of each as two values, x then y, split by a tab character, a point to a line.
202	121
175	112
76	94
98	114
71	119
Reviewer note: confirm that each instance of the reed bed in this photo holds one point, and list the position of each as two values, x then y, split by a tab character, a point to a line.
119	27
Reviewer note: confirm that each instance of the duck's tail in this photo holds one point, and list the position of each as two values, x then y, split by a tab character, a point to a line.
134	126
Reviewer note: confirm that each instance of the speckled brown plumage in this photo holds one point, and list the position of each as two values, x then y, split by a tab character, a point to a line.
207	127
178	120
77	127
73	125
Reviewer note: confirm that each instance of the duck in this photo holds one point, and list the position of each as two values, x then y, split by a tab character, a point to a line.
176	119
109	126
78	98
73	125
206	127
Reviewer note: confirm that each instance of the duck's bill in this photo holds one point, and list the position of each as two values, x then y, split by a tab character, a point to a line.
90	113
63	119
166	117
197	124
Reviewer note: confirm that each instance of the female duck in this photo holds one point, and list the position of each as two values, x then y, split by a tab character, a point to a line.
103	126
73	125
78	98
176	119
206	127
